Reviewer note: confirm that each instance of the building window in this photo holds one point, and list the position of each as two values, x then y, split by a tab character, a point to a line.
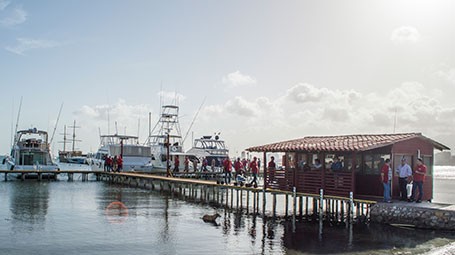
373	163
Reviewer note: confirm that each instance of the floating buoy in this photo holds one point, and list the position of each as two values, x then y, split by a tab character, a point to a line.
116	212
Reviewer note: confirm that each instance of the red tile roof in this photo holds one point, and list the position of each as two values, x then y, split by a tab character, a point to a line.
342	143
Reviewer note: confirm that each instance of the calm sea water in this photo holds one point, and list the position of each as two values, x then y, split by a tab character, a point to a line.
79	218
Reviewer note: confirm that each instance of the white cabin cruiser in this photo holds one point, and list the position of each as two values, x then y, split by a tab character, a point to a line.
210	148
135	157
31	151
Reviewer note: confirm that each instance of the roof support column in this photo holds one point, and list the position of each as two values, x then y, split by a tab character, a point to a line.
265	170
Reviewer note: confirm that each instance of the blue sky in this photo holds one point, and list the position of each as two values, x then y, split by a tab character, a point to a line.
269	70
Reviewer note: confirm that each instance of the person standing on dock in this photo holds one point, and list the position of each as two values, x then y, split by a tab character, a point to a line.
237	167
204	164
418	179
227	164
114	164
404	172
176	164
213	164
254	170
195	164
186	164
386	178
271	166
119	163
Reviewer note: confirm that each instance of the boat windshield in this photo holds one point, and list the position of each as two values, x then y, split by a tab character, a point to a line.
209	144
33	158
131	151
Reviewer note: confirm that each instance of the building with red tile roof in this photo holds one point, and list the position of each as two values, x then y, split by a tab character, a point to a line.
361	157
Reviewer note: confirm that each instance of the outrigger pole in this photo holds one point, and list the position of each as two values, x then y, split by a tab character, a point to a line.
56	123
194	119
17	122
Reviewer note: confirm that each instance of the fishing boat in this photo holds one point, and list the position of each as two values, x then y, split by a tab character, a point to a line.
166	139
135	157
31	151
210	148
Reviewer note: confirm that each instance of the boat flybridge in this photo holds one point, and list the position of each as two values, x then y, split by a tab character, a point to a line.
135	157
211	148
31	151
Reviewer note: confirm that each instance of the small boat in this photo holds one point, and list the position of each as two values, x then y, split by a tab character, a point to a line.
31	151
135	157
210	147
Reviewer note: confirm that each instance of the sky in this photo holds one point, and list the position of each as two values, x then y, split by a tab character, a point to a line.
263	71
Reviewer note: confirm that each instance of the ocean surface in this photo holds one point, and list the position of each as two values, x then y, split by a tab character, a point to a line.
61	217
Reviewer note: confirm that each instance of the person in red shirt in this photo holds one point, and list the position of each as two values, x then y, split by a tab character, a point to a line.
227	164
176	164
386	178
237	167
418	179
119	163
254	170
186	164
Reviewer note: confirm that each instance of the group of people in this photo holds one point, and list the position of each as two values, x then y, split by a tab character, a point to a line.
240	169
113	164
405	176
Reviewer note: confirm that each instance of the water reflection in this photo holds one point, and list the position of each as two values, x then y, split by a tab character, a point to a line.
29	202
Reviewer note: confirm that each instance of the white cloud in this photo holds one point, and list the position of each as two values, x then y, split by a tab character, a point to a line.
12	17
242	107
26	44
447	74
4	4
237	79
405	35
308	93
305	109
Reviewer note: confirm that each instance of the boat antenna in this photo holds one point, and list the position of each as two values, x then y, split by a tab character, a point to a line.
17	121
150	127
138	128
56	123
116	129
194	119
108	121
12	123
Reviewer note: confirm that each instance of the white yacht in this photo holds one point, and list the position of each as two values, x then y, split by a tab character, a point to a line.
166	138
31	151
135	157
210	147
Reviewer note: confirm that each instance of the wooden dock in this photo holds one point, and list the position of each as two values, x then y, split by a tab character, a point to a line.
252	200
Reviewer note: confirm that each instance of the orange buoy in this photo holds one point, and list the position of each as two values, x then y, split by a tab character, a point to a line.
116	212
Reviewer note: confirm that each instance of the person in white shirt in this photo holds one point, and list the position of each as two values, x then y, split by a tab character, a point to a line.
404	172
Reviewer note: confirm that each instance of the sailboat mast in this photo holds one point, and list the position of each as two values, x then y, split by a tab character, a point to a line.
64	138
74	134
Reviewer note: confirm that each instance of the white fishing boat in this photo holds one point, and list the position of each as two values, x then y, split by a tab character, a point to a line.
166	139
31	151
135	157
210	148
